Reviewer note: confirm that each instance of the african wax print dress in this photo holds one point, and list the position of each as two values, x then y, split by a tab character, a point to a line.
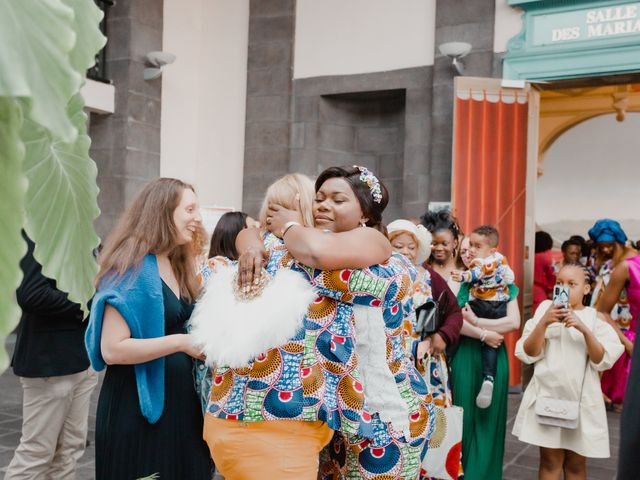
316	374
392	453
431	371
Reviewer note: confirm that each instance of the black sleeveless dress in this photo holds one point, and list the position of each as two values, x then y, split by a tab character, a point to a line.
128	447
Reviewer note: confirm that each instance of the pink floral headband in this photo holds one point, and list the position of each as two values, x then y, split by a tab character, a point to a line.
372	182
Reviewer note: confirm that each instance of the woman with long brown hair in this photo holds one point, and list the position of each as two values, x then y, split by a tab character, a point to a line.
148	419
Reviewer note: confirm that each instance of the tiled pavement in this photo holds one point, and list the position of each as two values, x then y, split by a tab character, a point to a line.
521	460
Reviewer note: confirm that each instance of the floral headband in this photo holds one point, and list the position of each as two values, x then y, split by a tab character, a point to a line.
372	182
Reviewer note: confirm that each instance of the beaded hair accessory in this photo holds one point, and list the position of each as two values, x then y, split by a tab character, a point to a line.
372	182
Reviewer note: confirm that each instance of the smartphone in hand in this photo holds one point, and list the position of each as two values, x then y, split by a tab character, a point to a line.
561	296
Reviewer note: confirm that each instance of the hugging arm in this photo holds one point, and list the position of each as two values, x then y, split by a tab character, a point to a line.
357	248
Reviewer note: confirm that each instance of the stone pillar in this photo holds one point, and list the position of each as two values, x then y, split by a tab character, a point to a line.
269	93
417	141
126	145
469	21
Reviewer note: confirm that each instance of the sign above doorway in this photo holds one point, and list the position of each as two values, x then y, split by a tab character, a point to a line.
565	39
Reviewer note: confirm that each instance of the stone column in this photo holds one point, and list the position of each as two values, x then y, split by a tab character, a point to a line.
469	21
269	90
126	145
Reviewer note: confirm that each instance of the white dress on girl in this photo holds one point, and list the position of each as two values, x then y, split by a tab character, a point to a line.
558	373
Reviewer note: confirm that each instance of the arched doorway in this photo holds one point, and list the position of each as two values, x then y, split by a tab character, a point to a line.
591	171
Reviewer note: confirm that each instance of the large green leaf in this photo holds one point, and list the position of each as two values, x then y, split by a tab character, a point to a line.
86	23
13	186
62	203
36	40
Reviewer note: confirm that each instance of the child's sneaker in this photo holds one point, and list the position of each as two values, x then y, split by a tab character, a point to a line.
483	400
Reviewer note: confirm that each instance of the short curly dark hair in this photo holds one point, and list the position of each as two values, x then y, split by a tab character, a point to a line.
438	220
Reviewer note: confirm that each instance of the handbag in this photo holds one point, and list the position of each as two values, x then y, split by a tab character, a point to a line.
429	317
444	452
557	412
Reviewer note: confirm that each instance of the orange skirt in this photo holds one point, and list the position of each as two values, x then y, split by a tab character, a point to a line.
282	449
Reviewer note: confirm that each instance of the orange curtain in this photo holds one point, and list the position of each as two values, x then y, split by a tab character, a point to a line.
489	178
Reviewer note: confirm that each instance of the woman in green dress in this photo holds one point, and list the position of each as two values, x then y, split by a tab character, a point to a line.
483	429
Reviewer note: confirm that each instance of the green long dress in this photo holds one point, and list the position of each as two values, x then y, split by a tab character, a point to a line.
483	429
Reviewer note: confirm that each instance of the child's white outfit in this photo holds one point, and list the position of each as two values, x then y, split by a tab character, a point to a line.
558	373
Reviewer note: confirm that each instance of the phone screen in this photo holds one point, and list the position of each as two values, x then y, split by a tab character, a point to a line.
561	295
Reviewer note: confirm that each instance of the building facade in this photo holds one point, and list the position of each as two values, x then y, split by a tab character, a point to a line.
533	129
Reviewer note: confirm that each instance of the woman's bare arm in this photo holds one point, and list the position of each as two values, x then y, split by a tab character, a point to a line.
252	256
493	339
611	294
610	297
505	324
118	348
357	248
535	341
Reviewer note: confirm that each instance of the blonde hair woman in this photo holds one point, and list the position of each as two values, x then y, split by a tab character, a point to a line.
149	419
293	191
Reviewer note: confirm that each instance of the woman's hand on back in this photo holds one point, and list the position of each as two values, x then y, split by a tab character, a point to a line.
250	265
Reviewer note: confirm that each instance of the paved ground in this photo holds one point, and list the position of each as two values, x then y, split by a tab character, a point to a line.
521	460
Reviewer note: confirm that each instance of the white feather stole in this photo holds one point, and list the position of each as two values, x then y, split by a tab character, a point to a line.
232	332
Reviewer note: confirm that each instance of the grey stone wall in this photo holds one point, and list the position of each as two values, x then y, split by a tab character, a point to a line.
126	144
469	21
268	116
365	129
379	120
398	122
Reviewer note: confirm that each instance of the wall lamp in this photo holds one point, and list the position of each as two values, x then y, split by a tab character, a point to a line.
157	60
455	51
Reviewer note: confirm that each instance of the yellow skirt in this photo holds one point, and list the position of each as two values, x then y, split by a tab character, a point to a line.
278	449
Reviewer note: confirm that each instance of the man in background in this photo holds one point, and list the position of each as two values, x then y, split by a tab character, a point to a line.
52	363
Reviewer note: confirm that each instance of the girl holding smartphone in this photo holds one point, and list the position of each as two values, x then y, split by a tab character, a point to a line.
568	347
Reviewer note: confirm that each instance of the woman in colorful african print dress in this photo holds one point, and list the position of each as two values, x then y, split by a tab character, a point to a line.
414	242
335	382
394	392
311	383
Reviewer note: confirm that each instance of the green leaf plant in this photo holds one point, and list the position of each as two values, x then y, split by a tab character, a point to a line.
47	179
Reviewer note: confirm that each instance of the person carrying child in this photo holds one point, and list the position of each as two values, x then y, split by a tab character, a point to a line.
489	277
562	410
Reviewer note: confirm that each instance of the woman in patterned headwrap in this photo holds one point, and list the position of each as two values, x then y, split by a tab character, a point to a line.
346	369
613	254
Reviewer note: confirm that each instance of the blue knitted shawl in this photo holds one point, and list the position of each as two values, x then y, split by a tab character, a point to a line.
137	295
